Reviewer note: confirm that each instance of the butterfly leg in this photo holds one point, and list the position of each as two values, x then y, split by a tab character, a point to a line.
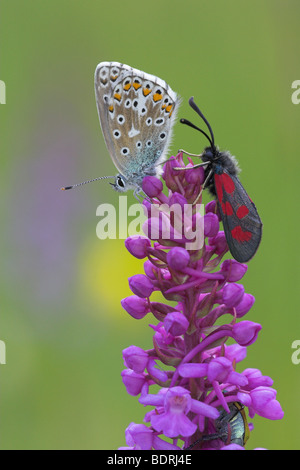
137	194
140	195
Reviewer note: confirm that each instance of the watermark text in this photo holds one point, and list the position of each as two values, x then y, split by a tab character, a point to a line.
2	92
296	94
2	352
296	354
184	223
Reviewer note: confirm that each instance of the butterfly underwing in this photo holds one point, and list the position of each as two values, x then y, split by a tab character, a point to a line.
137	112
241	222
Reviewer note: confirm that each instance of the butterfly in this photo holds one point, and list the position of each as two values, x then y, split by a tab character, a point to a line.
241	222
137	112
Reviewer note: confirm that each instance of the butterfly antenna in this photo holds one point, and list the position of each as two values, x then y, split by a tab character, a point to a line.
195	108
65	188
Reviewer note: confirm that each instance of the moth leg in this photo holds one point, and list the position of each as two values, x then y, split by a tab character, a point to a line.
204	185
207	179
190	154
192	167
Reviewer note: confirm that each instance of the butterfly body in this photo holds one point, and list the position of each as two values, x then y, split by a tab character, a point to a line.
136	112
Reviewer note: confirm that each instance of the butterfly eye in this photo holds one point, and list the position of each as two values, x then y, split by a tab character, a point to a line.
120	182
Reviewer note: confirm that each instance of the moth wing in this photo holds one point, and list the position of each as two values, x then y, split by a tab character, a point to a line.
241	222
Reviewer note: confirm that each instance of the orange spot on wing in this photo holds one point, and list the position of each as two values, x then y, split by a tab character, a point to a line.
111	108
168	108
157	97
127	86
113	78
136	85
146	91
117	96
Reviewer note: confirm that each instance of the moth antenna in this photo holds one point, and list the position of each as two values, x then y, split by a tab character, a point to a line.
195	108
189	123
65	188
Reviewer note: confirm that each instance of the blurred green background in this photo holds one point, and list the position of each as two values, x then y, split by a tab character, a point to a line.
61	287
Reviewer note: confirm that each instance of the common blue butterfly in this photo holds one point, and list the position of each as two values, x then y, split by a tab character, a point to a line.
137	112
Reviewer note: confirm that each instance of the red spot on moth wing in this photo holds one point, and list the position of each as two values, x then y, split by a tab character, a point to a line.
242	211
227	208
218	186
228	183
240	235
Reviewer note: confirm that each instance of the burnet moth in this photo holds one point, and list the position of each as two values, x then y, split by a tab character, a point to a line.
241	222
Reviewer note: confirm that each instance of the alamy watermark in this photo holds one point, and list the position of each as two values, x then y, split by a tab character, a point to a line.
296	94
2	92
2	352
296	354
164	222
2	101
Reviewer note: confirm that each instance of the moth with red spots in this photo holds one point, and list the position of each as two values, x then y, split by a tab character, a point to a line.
241	222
